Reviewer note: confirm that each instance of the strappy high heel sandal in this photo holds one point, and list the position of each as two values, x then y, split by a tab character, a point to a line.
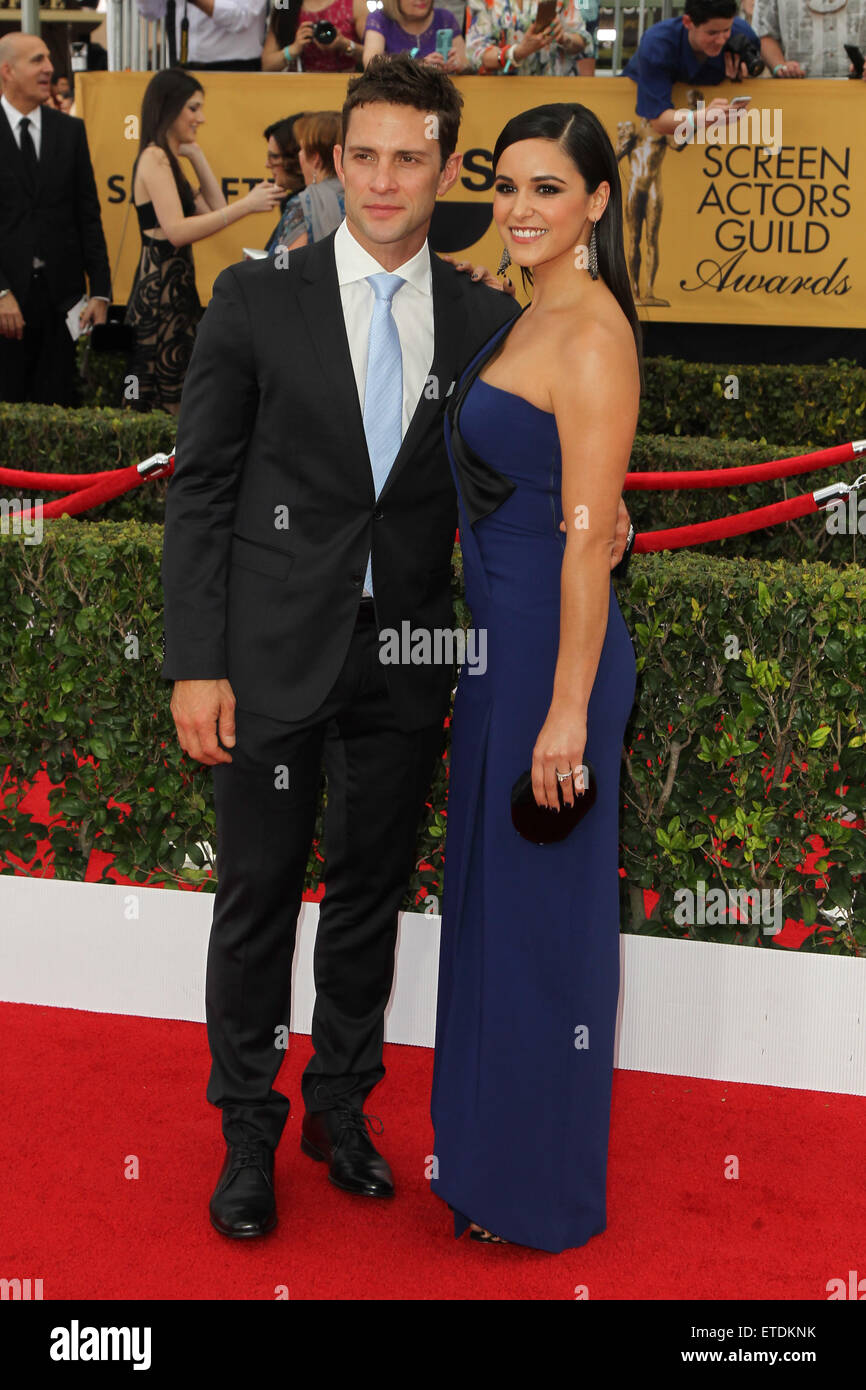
487	1237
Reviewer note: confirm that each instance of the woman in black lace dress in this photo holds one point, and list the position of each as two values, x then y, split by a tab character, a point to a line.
164	307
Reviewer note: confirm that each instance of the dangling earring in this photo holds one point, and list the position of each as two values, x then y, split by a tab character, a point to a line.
504	263
593	255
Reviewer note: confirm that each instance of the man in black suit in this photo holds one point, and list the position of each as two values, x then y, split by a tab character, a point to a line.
50	231
281	565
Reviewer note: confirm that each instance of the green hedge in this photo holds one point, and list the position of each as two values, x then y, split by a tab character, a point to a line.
746	738
51	439
807	538
796	407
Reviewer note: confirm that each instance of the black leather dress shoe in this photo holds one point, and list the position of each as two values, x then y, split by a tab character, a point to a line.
339	1137
243	1202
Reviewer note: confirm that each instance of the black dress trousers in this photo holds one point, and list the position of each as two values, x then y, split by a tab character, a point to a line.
265	799
40	366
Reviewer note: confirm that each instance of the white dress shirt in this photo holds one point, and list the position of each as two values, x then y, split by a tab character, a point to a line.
15	118
411	307
236	29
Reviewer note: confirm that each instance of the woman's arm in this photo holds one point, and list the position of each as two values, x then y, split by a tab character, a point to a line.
595	398
360	12
210	196
161	190
273	58
374	43
572	35
457	59
482	36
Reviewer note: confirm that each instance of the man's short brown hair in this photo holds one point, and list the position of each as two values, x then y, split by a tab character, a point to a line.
403	81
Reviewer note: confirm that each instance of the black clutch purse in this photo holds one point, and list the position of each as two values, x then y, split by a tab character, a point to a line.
539	824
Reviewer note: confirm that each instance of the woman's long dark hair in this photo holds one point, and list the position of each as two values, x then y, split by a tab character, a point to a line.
581	135
166	94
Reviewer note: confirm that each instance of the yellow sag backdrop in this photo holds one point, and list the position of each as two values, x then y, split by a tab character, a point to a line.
768	229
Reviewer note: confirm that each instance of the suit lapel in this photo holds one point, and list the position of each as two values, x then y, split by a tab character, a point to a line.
48	151
449	323
12	152
322	308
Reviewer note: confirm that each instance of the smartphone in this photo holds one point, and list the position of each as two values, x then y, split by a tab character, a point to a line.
856	57
740	101
444	40
544	15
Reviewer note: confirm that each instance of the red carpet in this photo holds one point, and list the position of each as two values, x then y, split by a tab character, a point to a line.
86	1096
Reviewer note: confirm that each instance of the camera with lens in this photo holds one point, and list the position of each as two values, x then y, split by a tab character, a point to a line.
324	31
746	52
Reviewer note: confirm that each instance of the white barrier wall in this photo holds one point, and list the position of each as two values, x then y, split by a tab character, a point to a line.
687	1008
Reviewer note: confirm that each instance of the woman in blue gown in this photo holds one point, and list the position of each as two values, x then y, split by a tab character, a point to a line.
529	954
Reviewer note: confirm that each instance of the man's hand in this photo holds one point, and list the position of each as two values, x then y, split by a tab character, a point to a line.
735	68
199	709
481	274
94	311
11	318
623	521
792	70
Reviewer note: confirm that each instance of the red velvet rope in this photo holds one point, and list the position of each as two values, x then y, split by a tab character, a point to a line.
91	489
748	473
679	536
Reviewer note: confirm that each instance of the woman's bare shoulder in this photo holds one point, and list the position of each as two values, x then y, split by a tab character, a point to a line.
602	333
153	157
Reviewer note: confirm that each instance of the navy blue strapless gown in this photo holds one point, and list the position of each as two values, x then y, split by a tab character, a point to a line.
529	954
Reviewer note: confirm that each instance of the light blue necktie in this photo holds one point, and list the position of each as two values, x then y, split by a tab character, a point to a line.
383	392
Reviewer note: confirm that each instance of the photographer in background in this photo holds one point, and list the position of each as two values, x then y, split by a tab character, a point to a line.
291	40
224	35
799	41
693	48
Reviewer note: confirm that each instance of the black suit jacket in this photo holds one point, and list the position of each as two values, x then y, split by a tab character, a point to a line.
271	510
58	220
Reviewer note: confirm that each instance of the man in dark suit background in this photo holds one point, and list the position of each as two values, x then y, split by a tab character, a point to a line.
51	234
294	534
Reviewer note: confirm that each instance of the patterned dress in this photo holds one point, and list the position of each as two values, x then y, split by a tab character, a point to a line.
163	310
503	21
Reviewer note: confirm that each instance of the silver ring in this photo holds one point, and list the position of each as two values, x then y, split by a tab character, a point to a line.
563	775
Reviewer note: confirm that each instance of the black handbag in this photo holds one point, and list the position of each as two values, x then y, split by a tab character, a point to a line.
539	824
